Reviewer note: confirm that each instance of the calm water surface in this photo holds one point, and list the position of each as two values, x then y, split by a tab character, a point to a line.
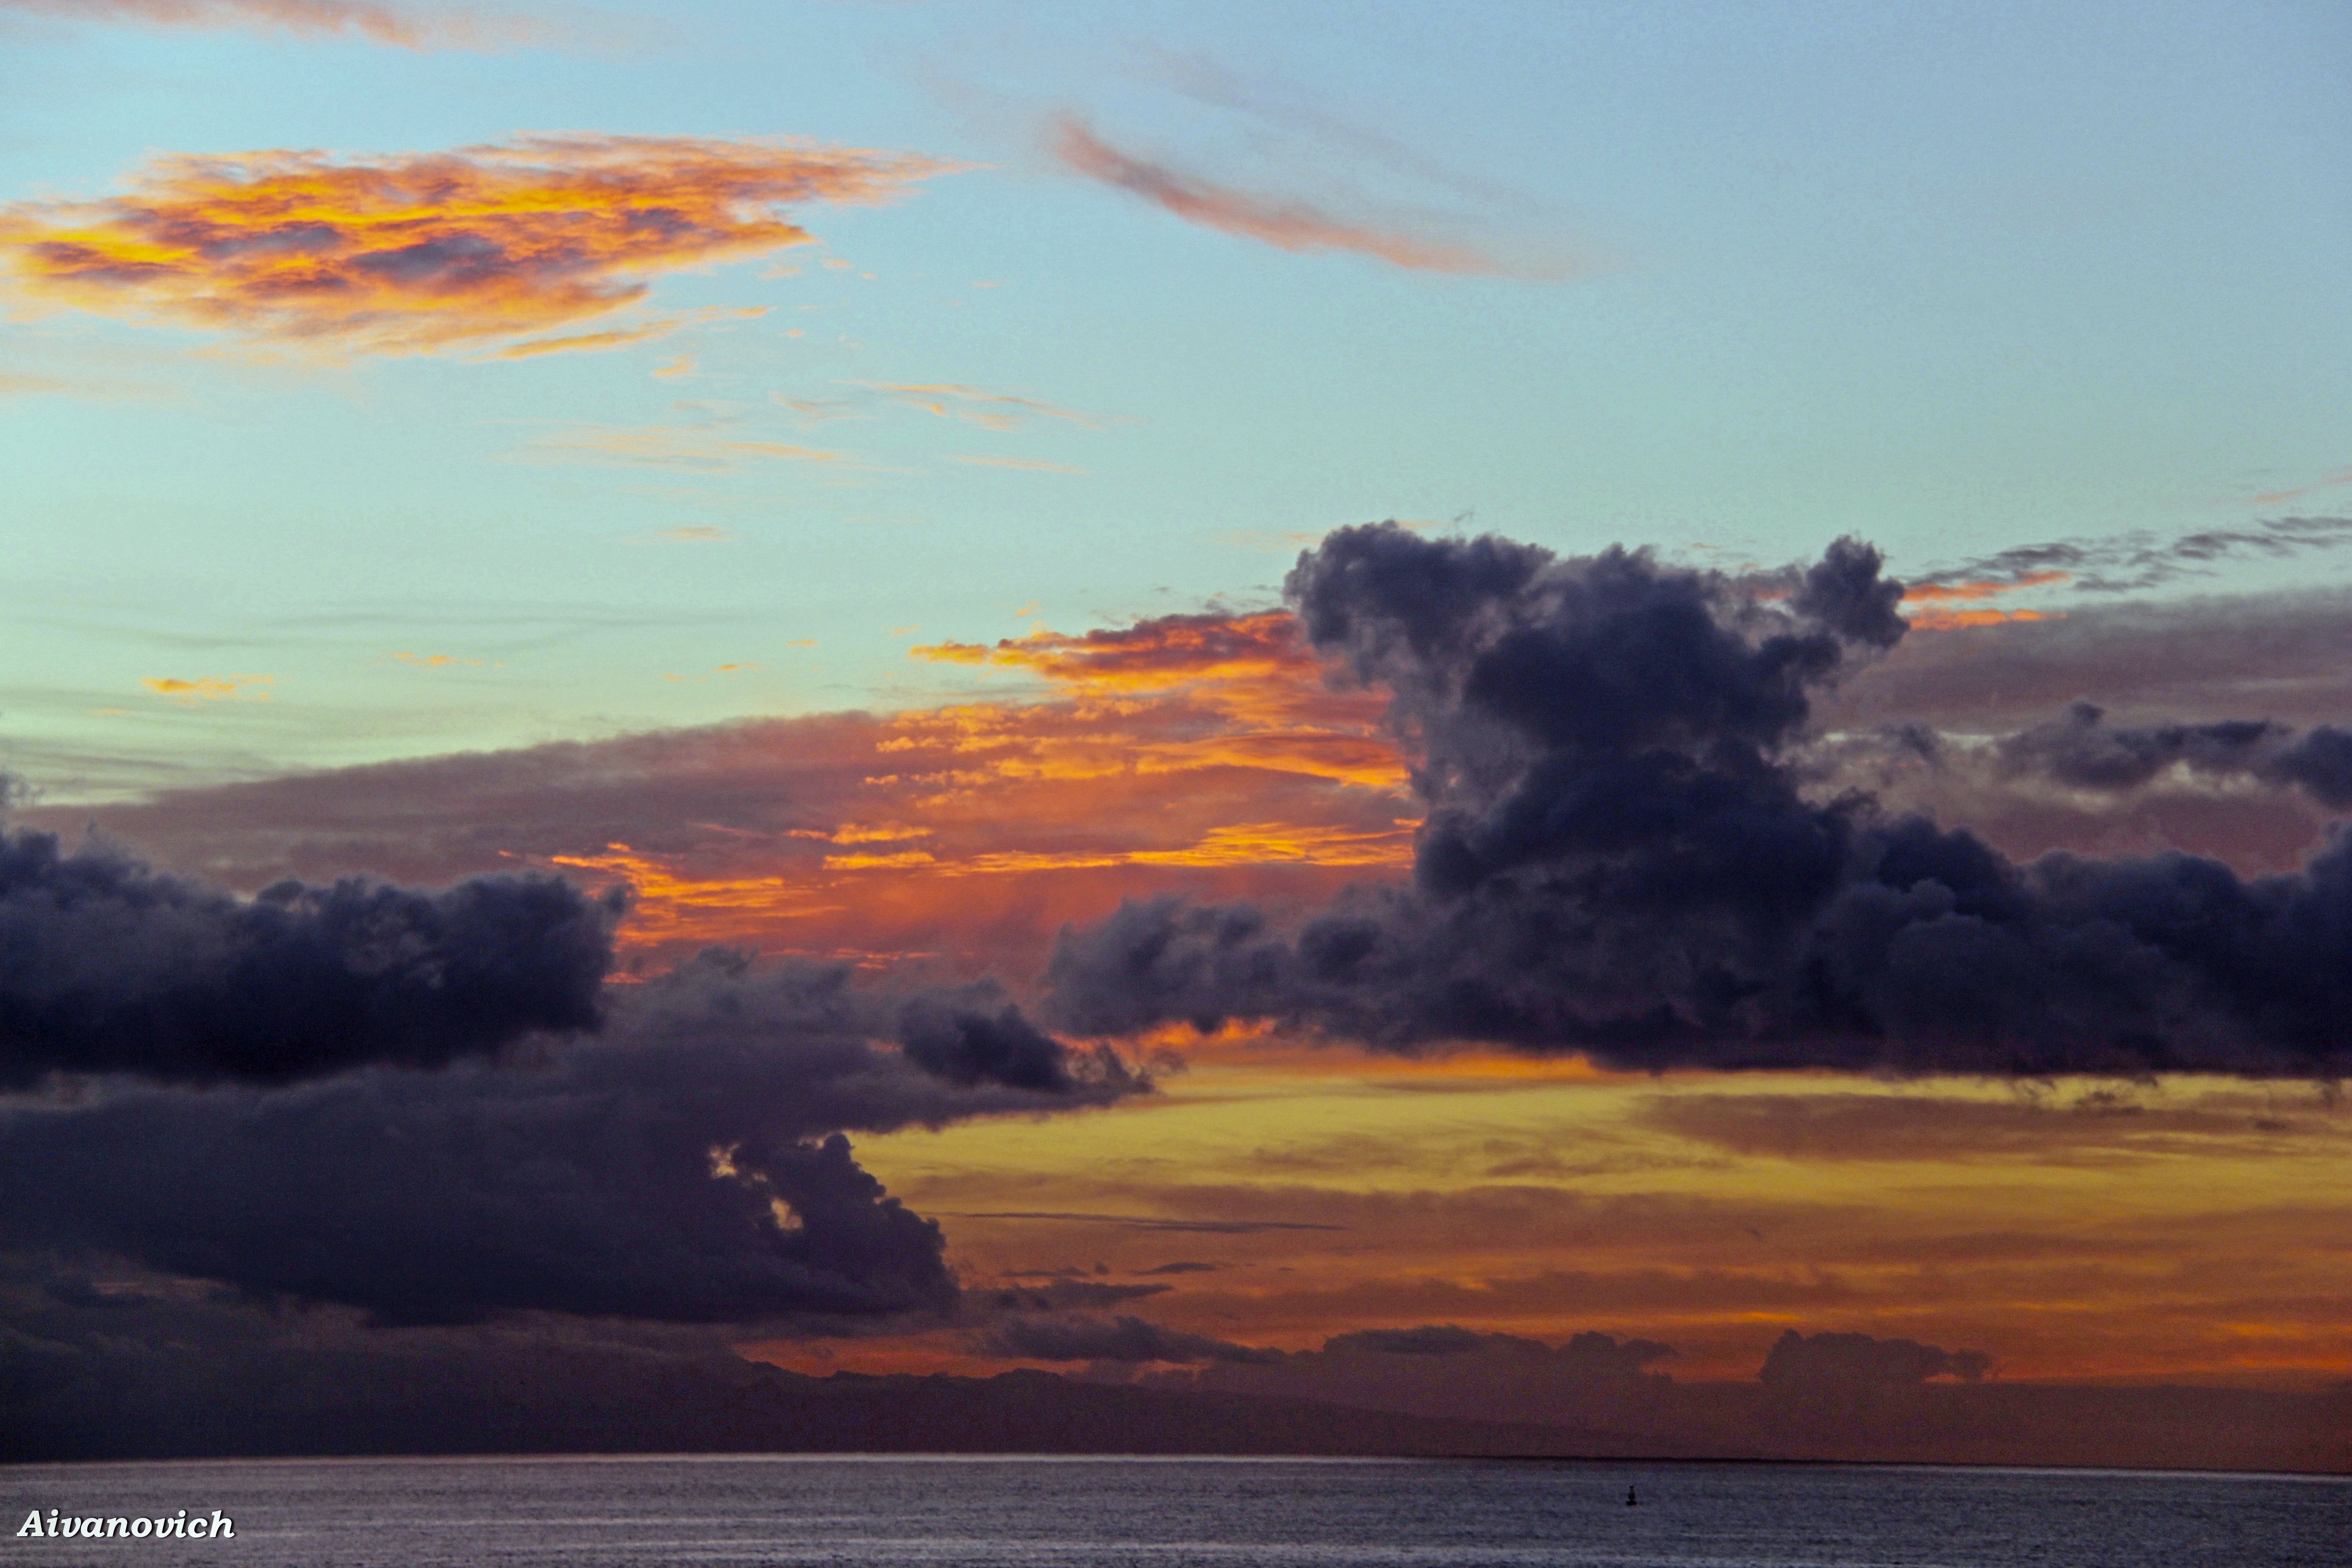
1179	1513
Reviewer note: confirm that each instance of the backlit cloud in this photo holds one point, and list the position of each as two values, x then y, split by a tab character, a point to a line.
416	252
400	26
1287	224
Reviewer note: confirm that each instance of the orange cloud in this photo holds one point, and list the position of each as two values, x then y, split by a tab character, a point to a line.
1292	225
210	687
617	338
1951	620
1986	590
1200	752
413	253
401	26
1934	594
1260	663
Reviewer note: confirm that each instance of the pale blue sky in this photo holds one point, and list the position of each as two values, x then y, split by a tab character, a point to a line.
1951	278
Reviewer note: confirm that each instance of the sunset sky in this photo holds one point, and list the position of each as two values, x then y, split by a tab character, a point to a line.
1266	639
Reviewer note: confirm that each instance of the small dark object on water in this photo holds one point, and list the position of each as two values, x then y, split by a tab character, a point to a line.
1631	1500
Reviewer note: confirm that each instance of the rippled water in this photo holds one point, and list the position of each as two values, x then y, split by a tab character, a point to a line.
1173	1513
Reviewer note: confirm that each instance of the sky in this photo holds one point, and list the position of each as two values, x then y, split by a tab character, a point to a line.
1143	689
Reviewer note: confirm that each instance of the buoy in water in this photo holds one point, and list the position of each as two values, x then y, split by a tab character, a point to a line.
1631	1500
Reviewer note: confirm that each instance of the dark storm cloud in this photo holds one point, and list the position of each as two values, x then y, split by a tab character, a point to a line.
969	1046
2131	562
1797	1361
109	966
1121	1339
2084	752
687	1165
1618	857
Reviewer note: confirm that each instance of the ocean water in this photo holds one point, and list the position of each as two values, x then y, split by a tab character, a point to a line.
1178	1513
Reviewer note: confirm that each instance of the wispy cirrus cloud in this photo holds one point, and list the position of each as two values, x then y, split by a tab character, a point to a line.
1034	465
532	348
666	446
621	337
989	410
419	27
2272	498
22	383
411	253
1285	223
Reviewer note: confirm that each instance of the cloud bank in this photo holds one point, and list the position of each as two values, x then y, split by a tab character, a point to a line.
685	1165
109	966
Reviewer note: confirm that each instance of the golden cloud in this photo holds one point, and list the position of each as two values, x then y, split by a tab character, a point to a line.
413	253
211	688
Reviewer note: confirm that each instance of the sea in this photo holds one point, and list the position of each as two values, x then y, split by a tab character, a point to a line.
1000	1512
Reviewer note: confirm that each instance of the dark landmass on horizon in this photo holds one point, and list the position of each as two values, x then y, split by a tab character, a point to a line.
580	1400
